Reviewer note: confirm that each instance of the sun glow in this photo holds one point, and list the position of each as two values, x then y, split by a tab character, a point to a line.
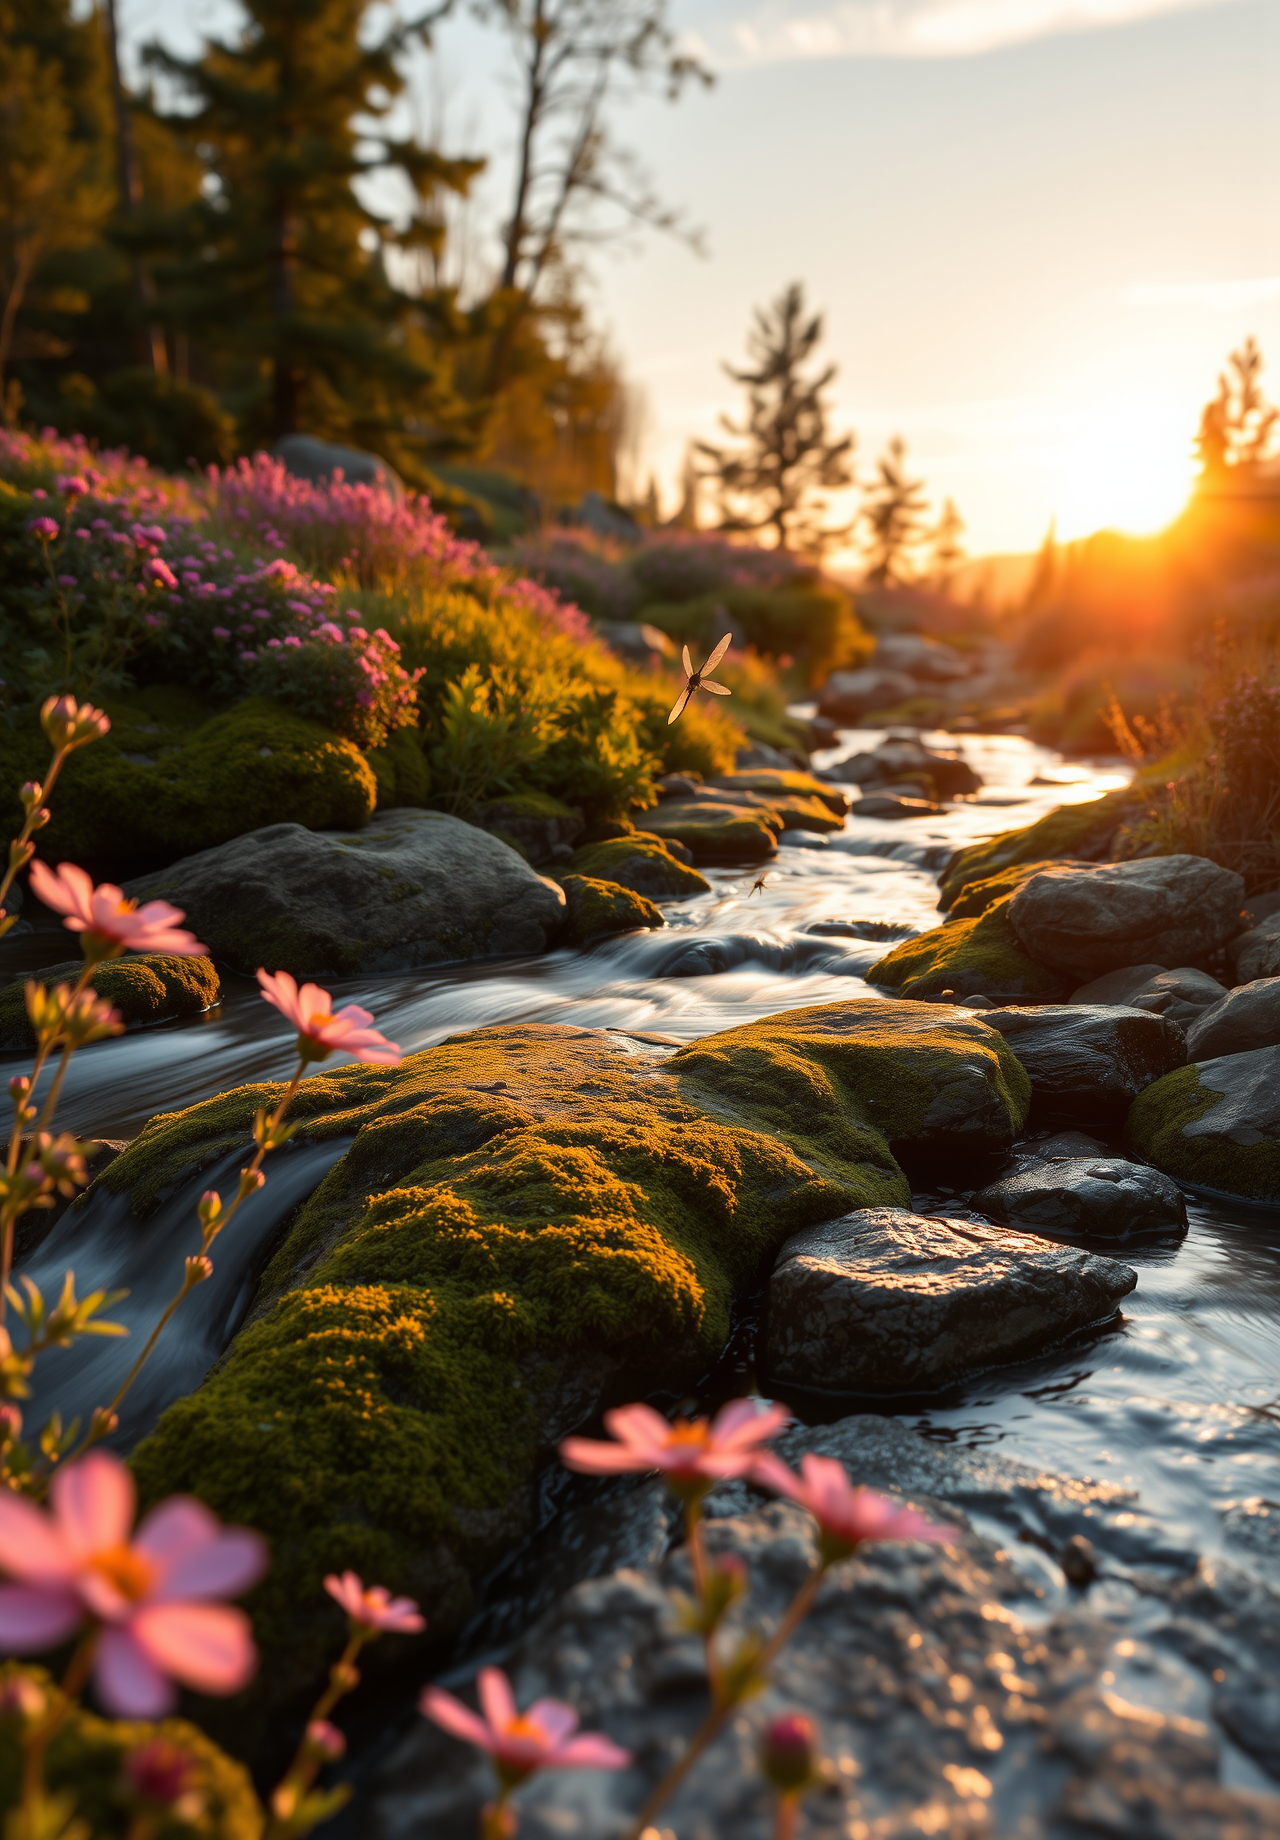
1126	467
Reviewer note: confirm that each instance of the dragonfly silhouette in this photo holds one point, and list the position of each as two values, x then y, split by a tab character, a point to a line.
698	680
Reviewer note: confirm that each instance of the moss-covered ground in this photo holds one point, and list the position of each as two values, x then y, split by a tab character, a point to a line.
972	957
528	1216
595	909
149	988
1158	1119
1069	830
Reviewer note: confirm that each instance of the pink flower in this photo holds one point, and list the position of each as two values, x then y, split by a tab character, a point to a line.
847	1517
44	528
693	1454
73	485
149	1595
107	920
320	1030
220	632
160	573
374	1605
520	1743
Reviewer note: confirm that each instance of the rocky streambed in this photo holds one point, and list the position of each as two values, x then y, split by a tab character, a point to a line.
690	1157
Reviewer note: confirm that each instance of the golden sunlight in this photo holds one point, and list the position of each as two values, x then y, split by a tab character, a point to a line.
1127	467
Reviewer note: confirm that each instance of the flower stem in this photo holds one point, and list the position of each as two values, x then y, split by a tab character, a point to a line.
304	1769
37	1740
788	1817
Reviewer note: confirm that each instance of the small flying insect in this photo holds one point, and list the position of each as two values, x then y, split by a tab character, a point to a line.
757	887
698	680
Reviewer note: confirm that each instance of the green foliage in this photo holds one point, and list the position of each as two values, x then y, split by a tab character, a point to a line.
595	909
977	957
401	770
148	988
168	421
813	620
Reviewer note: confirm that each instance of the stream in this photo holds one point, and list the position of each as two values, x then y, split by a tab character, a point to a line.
1170	1401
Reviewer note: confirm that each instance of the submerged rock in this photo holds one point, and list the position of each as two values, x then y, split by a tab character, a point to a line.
889	804
1086	1063
1173	909
1215	1124
1103	1196
152	987
413	888
1245	1018
886	1301
642	862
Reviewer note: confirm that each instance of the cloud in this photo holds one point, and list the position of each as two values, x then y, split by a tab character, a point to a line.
785	30
1252	292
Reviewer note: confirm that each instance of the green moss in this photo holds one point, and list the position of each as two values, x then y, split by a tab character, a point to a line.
1156	1126
1069	830
597	908
86	1758
537	805
770	780
714	833
976	897
977	957
639	862
159	786
149	988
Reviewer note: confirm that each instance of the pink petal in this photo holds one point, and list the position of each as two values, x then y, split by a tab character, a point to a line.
233	1560
347	1590
93	1501
178	1526
735	1429
353	1015
206	1646
772	1473
450	1713
593	1458
33	1617
638	1425
589	1752
553	1717
496	1700
128	1681
30	1543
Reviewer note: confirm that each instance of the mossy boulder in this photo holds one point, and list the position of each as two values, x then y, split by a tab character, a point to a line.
976	897
1215	1124
150	988
971	958
1083	831
86	1759
171	778
641	862
780	783
540	827
716	833
531	1222
400	769
594	909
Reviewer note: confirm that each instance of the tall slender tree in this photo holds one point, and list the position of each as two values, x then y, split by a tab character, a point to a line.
894	513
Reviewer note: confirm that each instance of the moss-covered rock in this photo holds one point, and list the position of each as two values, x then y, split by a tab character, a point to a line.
170	779
150	988
1083	831
540	827
86	1761
972	958
639	861
778	781
594	909
401	770
1215	1124
714	832
530	1222
976	897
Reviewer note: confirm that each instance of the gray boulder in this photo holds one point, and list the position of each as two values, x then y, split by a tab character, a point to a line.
1086	1062
886	1301
634	640
847	695
1181	995
1216	1124
1174	909
307	458
1103	1196
1256	953
1117	986
413	888
1246	1018
903	757
1062	1147
927	660
890	804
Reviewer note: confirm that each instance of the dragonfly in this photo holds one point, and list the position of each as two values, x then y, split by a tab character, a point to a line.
757	887
699	680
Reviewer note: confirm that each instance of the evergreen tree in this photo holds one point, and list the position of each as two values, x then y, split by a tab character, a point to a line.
778	481
282	269
946	550
894	514
1236	427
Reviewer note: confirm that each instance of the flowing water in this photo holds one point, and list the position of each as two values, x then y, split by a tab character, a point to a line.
1171	1401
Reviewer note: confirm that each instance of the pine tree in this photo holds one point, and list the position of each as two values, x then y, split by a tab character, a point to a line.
778	481
894	514
1236	427
282	269
946	550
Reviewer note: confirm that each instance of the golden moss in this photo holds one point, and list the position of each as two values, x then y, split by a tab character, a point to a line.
639	862
1069	830
977	957
595	909
149	988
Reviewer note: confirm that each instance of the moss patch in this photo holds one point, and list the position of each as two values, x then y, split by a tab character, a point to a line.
170	780
976	897
1156	1126
86	1759
150	988
715	833
1069	830
595	909
641	863
777	780
978	957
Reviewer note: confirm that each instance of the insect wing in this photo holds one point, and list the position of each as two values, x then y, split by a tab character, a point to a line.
681	700
717	655
688	663
717	689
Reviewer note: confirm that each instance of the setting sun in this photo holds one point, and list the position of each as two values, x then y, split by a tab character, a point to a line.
1128	467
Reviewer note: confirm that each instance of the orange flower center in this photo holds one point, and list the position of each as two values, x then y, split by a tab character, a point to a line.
687	1435
126	1569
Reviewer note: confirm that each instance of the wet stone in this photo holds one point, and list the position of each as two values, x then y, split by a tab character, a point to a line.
1106	1197
1087	1062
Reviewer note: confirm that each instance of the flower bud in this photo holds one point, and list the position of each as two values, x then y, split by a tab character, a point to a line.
10	1422
69	724
160	1772
30	794
21	1699
787	1755
44	528
19	1087
251	1180
209	1207
198	1269
325	1741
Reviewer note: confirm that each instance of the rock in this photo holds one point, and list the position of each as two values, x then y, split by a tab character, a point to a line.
977	896
1173	909
1083	831
971	958
641	862
596	909
927	660
539	827
678	785
900	757
1063	1146
634	640
307	458
1256	954
1215	1124
1113	986
1102	1196
152	987
759	754
887	805
1245	1018
848	695
715	832
413	888
886	1301
1087	1062
783	810
1181	995
779	786
1260	908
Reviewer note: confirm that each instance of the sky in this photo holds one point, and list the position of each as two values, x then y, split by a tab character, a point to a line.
1035	228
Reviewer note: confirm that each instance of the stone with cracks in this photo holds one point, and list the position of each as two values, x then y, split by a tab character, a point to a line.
1171	909
886	1301
1087	1062
1246	1018
1107	1197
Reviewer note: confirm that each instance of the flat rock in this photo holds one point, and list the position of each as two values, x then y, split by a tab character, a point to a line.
927	660
1107	1197
1245	1018
413	888
1171	909
1062	1147
886	1301
894	805
1087	1062
1216	1124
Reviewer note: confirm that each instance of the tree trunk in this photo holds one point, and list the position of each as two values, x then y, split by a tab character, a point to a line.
130	188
